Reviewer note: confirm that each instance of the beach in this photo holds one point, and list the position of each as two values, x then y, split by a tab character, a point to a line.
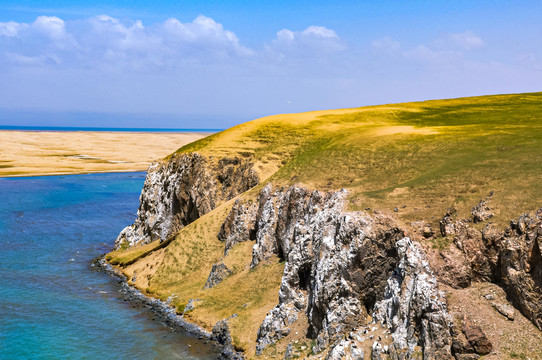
33	153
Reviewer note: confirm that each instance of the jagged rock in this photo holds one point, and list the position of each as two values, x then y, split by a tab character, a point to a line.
376	353
452	268
337	266
519	265
481	212
423	228
218	273
239	225
356	353
276	325
289	353
338	352
413	308
460	344
179	190
511	258
336	262
476	337
221	333
447	224
189	306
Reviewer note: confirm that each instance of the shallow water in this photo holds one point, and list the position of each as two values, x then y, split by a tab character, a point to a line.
52	304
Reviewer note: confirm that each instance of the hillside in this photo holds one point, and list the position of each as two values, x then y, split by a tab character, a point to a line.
329	206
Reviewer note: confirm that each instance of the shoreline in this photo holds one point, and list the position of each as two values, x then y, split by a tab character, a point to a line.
48	153
74	173
163	310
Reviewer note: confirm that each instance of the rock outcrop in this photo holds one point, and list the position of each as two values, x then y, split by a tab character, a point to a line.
221	334
482	211
511	258
219	272
346	273
179	190
239	225
339	266
414	309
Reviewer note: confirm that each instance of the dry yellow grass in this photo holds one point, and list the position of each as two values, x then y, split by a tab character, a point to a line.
180	271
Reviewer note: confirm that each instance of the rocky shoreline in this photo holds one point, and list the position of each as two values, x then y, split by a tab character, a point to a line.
167	314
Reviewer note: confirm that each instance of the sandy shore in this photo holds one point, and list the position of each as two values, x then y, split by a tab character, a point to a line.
31	153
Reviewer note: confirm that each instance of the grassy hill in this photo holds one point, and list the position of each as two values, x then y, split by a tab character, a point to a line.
429	155
412	160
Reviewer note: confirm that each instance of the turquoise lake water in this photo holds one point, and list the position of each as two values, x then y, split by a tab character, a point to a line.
52	304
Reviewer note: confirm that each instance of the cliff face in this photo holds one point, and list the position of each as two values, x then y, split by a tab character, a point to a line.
340	268
180	190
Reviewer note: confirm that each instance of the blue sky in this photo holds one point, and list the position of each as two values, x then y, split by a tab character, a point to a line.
195	64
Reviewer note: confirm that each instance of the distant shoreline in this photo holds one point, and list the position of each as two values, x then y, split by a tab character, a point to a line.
48	152
103	129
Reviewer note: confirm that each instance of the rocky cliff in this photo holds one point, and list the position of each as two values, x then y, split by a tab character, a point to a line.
182	188
346	272
340	268
355	283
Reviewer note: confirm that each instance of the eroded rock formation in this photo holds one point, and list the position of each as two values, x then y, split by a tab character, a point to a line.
511	258
179	190
339	267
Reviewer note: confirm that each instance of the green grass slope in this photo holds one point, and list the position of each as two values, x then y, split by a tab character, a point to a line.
429	156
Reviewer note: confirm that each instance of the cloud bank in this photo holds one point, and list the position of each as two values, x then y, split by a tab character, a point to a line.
107	64
104	41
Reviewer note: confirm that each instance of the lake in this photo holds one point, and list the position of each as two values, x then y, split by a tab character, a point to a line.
52	304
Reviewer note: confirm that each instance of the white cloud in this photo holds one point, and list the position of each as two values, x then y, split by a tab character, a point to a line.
425	55
11	28
314	40
449	50
86	43
50	26
468	40
320	32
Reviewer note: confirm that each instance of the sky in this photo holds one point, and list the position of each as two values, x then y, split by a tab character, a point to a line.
214	64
